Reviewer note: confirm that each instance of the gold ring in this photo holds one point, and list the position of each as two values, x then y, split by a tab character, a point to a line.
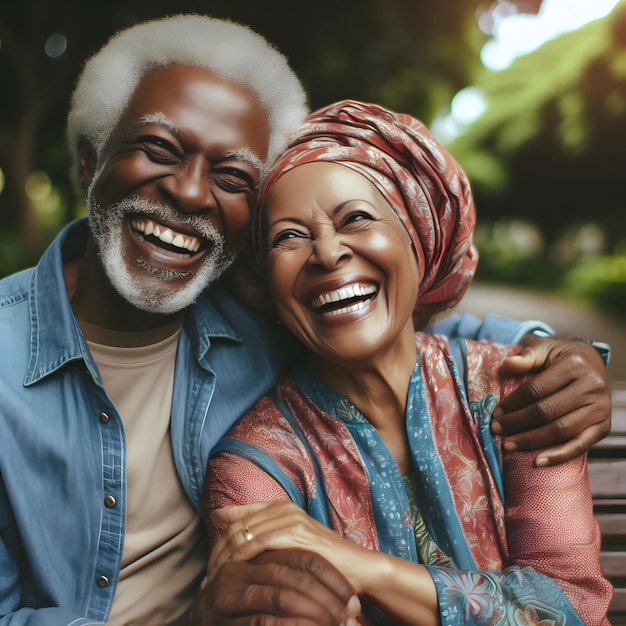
247	535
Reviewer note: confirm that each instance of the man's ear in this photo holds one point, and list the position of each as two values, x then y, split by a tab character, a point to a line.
87	160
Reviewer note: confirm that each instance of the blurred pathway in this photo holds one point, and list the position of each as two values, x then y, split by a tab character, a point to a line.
568	318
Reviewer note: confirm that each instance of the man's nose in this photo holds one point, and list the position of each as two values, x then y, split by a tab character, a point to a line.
189	188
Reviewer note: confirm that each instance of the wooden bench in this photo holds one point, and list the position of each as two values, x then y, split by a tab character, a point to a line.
607	473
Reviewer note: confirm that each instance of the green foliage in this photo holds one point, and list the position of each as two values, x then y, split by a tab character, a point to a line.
554	132
601	280
514	252
549	150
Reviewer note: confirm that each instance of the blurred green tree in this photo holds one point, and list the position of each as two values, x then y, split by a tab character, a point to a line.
410	55
551	143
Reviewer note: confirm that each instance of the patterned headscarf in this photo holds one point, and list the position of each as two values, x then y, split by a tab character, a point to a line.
421	181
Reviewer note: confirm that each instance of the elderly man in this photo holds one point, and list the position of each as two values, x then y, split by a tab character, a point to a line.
126	358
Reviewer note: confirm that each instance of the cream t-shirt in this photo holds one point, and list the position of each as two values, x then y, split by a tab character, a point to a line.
165	550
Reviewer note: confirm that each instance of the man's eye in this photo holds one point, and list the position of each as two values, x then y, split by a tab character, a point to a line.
233	180
159	149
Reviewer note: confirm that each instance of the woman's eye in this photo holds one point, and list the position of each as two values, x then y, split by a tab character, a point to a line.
289	234
286	237
357	217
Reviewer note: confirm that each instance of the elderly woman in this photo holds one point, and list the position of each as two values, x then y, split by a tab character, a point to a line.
376	452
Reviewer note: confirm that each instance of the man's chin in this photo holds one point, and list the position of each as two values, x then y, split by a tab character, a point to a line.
160	301
160	290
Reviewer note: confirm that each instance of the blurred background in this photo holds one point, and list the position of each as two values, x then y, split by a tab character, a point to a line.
529	95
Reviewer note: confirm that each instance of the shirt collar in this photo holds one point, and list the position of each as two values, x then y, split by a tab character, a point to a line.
56	338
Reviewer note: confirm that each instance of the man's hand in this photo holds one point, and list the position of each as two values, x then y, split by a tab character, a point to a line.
565	406
278	588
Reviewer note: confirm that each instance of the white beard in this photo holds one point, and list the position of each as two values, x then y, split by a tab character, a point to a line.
106	227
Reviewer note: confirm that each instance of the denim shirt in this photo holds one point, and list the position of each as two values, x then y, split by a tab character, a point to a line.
62	447
62	465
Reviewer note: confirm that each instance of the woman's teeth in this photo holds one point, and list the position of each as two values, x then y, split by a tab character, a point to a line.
348	292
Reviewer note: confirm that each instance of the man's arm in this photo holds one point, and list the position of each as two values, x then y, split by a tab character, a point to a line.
564	407
493	328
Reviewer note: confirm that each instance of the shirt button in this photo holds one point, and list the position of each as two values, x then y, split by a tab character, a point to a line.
109	502
103	581
104	418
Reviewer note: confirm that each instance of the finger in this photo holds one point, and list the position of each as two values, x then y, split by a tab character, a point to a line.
566	386
579	404
536	402
575	431
271	528
247	521
528	360
224	547
322	571
264	604
570	449
549	421
286	584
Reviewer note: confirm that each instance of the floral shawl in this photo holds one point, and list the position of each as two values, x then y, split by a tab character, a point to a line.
530	558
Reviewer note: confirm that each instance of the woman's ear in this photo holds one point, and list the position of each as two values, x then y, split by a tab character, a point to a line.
87	160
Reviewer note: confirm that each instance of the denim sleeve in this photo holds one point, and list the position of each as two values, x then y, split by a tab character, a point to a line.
493	327
513	596
46	617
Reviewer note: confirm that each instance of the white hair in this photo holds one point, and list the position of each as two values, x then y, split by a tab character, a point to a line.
110	77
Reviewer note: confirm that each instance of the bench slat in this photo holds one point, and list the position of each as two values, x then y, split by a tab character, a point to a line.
608	478
607	474
613	563
612	524
618	603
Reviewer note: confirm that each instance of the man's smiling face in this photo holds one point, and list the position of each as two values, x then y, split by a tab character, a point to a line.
171	198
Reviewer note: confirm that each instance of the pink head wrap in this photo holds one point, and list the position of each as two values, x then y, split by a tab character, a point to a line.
421	181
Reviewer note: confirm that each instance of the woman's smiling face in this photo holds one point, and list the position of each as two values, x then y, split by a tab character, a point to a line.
340	265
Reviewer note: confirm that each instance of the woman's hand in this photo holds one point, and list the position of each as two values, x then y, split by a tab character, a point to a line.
259	527
402	589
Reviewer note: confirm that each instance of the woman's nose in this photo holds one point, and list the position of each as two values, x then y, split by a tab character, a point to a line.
329	251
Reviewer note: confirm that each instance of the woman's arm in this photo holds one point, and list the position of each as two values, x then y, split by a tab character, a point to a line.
551	528
401	589
408	592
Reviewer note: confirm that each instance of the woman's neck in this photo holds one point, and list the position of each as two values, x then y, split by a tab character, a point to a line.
377	386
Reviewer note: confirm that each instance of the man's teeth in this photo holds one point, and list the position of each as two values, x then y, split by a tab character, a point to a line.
345	293
166	235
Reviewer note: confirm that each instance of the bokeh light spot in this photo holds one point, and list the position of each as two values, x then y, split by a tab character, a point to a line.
56	45
38	186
